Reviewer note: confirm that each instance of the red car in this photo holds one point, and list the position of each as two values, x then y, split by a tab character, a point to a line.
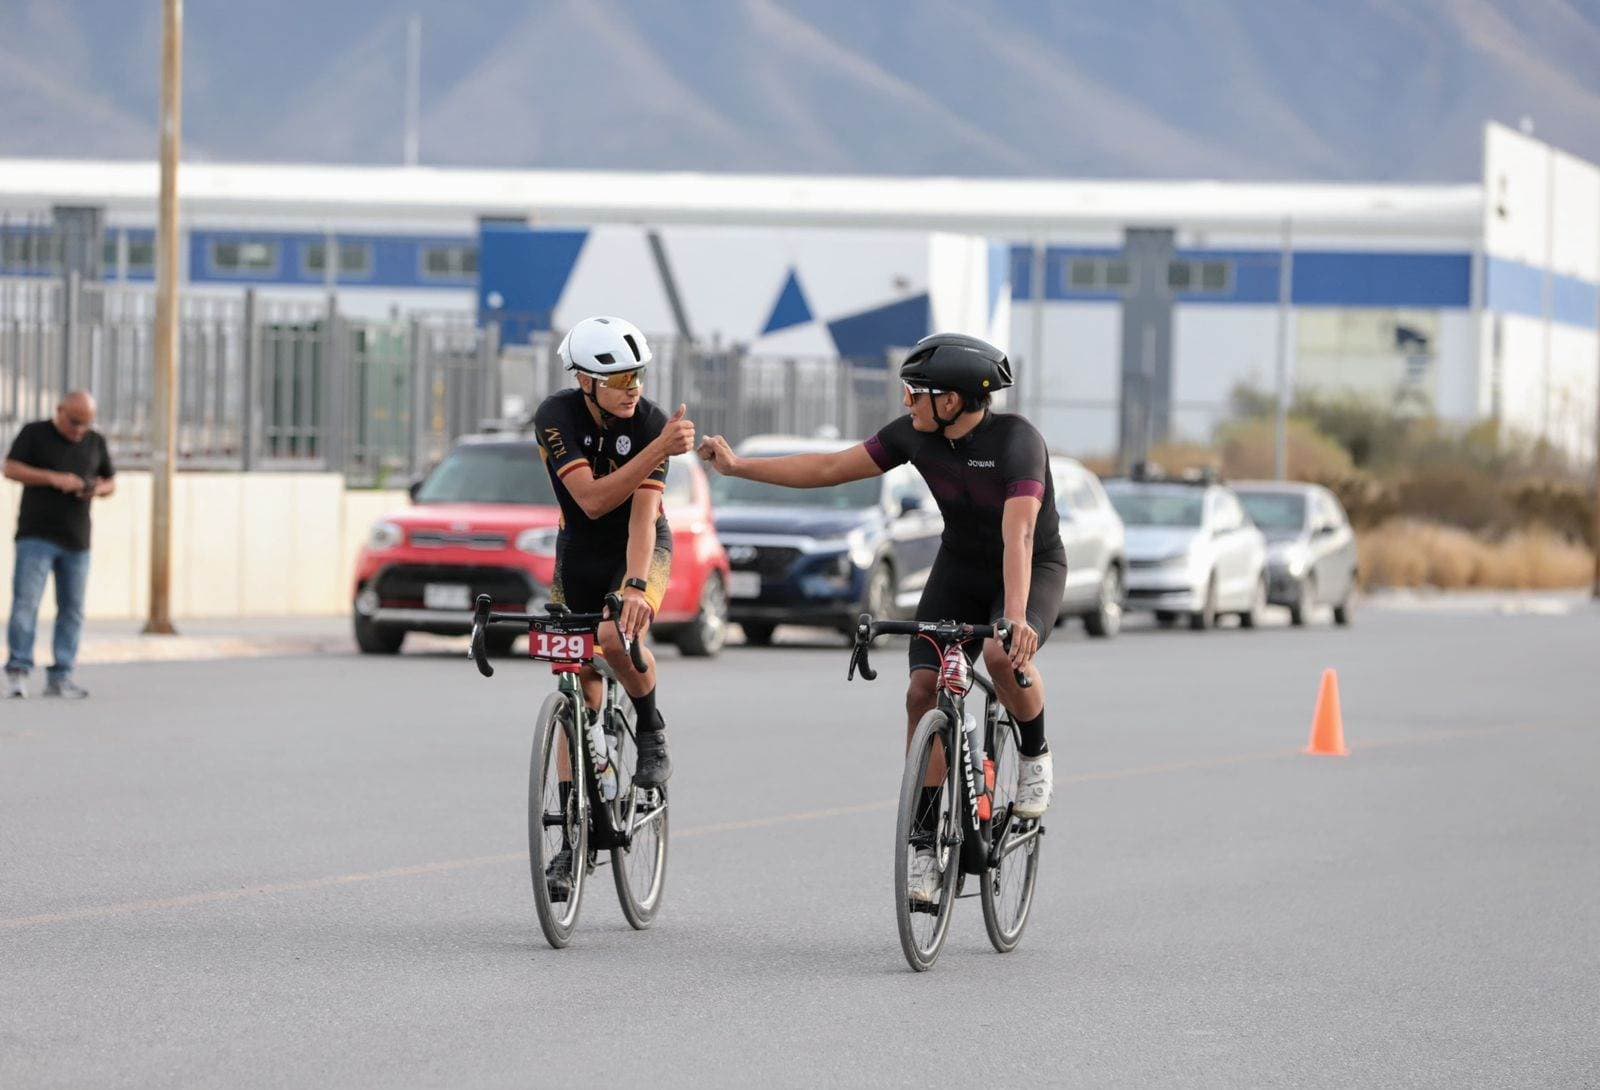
484	521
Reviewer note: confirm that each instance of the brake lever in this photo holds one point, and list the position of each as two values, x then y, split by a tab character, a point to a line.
1003	630
613	602
858	654
480	625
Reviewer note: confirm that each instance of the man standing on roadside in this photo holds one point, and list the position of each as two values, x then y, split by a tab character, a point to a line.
62	464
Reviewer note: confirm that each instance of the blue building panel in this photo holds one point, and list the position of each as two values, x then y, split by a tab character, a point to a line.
791	308
869	335
1349	279
1513	288
1575	302
521	275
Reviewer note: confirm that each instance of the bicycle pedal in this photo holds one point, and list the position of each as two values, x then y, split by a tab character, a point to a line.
923	906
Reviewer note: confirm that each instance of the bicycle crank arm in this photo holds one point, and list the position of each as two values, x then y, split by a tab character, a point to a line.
1012	843
640	822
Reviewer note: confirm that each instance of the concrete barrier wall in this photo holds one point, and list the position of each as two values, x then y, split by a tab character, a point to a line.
243	544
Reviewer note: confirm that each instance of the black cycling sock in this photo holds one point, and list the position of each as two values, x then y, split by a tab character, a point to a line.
645	706
1032	743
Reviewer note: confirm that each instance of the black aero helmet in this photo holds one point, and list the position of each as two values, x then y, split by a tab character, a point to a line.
954	361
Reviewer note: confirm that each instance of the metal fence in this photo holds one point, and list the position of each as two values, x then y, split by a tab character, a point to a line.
273	383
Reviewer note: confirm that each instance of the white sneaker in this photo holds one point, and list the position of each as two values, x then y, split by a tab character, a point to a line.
16	685
1035	785
923	887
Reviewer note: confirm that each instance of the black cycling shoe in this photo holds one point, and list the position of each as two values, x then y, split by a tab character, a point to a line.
655	767
558	876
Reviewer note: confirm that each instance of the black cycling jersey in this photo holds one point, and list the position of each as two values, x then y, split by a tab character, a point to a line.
569	437
972	477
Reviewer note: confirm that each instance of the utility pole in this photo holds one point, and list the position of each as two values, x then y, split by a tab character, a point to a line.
413	90
1280	446
1594	532
164	419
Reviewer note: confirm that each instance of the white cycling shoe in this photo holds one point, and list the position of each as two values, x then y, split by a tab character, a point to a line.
1035	785
923	886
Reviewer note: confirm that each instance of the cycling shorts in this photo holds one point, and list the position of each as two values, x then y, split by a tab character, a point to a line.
585	576
973	593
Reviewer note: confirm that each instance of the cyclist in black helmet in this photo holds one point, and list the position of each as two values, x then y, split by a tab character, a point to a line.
1001	553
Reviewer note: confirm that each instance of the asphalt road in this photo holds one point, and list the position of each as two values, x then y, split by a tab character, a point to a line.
310	871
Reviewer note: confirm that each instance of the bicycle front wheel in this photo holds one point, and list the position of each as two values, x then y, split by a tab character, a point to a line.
927	827
639	868
1008	885
558	820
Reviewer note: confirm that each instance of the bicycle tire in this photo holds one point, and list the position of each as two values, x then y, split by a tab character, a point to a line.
646	857
557	920
1008	887
919	942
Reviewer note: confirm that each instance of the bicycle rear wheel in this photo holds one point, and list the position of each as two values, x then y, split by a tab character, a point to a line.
558	819
1008	886
926	825
640	869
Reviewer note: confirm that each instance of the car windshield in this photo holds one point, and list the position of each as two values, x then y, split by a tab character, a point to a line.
491	473
1159	507
739	492
1275	510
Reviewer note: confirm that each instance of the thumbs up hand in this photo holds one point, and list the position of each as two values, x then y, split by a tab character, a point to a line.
678	436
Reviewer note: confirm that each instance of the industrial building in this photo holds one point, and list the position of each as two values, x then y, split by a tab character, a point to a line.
1133	308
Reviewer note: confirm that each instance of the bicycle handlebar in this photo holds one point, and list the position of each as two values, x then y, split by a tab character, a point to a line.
483	615
943	631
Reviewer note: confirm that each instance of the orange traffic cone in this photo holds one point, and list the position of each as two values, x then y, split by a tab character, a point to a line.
1327	726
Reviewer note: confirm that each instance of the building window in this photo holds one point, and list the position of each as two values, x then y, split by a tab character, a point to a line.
1207	277
1098	274
355	260
449	262
26	251
141	255
245	257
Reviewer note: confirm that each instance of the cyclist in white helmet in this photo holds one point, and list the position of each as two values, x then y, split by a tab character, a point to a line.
606	449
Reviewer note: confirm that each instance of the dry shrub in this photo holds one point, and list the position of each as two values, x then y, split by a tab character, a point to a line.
1175	458
1409	553
1249	450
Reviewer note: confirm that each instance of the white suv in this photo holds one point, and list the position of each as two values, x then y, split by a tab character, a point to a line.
1192	551
1092	535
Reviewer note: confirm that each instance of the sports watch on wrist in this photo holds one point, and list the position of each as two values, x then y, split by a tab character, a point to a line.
635	583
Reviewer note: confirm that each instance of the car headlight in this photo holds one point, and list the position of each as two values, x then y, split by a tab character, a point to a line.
1176	560
1291	558
862	554
385	535
541	542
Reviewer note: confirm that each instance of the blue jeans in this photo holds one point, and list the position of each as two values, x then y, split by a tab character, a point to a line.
36	559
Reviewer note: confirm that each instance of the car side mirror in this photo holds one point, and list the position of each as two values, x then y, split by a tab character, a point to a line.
1324	530
413	488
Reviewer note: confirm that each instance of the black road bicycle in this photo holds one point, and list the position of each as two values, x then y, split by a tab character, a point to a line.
967	820
581	796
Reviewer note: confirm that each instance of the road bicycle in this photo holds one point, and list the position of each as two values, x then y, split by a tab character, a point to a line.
968	820
568	828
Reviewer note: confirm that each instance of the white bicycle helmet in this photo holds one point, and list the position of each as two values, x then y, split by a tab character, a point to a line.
604	346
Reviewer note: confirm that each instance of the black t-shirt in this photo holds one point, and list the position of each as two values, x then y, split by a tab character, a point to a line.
972	477
48	512
569	437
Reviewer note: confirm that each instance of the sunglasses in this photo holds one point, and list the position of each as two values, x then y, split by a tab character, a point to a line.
913	391
626	380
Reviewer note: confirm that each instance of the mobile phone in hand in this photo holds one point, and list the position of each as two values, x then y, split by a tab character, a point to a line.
88	489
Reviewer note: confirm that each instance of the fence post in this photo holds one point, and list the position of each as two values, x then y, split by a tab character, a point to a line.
249	395
418	398
489	366
70	304
335	383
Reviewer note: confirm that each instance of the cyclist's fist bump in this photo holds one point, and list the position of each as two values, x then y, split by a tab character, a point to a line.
678	435
715	449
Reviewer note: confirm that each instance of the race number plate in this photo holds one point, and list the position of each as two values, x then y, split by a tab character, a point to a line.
555	645
446	596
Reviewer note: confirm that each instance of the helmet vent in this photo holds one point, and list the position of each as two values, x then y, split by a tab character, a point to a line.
605	357
634	348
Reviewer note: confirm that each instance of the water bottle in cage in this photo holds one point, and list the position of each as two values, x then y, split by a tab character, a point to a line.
604	757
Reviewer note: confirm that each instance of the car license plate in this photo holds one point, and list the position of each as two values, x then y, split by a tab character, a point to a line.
446	596
744	584
560	646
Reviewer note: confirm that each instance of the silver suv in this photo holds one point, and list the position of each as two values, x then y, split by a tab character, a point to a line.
1192	551
1097	562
